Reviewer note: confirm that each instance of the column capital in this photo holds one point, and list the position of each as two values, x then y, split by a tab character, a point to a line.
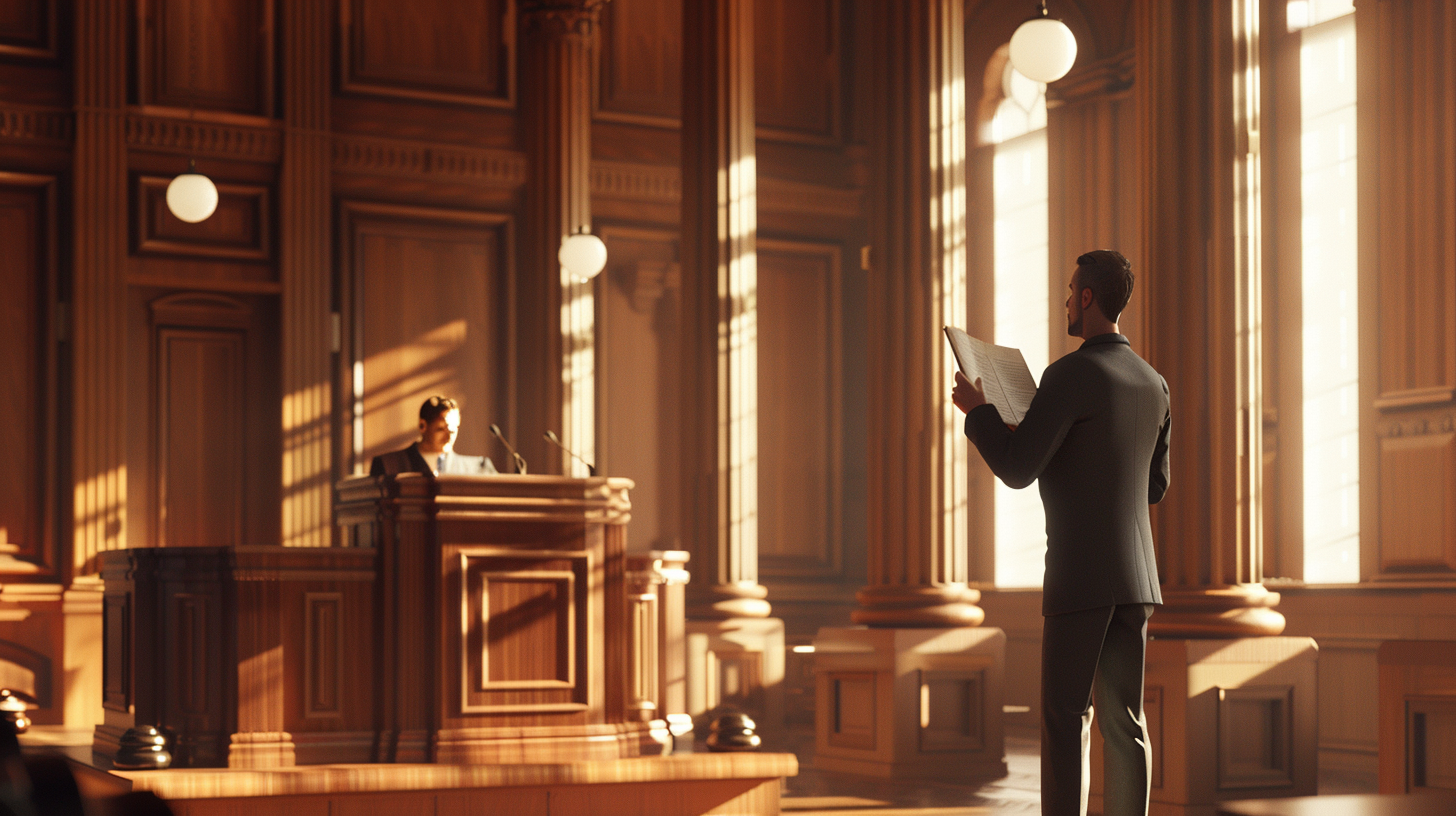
560	18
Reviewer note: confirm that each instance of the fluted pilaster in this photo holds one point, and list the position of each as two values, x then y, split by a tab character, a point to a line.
98	289
304	255
556	346
720	288
917	452
1198	107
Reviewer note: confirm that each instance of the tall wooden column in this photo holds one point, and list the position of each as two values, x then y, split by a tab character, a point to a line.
1198	108
555	313
1231	706
917	449
735	650
98	292
303	258
918	693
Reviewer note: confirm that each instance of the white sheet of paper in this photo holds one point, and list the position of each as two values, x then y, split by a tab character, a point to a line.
1005	377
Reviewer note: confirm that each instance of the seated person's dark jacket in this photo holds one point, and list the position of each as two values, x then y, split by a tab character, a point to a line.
410	460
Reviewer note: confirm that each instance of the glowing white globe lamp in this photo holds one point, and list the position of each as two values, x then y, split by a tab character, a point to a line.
192	197
583	255
1043	49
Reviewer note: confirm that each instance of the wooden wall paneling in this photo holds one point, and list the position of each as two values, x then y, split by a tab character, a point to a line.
799	410
798	70
200	377
1407	110
639	401
639	76
240	229
29	332
432	51
1418	504
427	310
28	29
97	321
217	55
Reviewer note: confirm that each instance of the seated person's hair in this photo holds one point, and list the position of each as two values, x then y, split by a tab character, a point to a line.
1109	276
436	406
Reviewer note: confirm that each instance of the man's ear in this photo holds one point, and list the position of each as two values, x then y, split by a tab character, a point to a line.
1086	298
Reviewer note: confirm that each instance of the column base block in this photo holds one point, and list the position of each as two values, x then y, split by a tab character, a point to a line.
737	662
1229	719
910	703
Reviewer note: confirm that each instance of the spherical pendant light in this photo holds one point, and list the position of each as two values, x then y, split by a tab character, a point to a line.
192	197
583	255
1043	49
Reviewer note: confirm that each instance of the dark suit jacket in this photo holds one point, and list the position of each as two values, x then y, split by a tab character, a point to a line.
410	460
1096	440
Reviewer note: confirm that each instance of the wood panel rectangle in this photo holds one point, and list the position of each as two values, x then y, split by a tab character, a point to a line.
216	55
799	416
200	444
1418	503
429	50
524	630
240	228
190	647
854	708
28	372
116	650
427	313
323	654
797	69
640	75
1255	737
28	29
951	703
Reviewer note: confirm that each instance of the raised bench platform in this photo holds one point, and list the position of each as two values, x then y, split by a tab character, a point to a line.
1426	803
686	785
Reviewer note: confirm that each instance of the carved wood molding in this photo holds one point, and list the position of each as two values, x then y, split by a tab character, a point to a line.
36	124
1417	426
204	138
784	196
499	168
642	182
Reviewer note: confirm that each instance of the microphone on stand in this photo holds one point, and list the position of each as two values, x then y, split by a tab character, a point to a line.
551	437
520	461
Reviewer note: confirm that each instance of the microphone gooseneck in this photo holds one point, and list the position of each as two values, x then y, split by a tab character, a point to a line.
552	438
518	460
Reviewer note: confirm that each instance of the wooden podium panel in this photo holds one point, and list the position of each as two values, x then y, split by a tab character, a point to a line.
253	657
501	616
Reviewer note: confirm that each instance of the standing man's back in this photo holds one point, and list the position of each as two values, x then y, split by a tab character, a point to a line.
1096	439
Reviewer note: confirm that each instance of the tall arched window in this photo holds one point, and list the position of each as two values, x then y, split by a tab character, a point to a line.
1019	135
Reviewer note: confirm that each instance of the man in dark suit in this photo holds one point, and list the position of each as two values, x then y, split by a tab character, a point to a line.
434	453
1096	440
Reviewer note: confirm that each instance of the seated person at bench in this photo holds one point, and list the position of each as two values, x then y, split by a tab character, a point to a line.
434	453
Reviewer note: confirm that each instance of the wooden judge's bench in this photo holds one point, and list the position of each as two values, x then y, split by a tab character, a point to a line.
467	621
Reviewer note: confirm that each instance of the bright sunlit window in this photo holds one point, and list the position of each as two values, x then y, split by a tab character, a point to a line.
1326	29
1021	271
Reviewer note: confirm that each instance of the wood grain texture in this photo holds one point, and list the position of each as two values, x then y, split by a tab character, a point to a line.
215	55
27	328
798	70
641	62
799	412
426	312
432	52
1418	504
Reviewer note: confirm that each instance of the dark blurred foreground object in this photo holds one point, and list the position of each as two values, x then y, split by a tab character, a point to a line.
43	785
13	705
143	748
733	731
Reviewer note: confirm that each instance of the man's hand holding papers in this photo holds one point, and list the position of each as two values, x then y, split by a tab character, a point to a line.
1000	372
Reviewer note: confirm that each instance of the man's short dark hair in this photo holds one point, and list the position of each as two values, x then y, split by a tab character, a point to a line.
436	406
1109	276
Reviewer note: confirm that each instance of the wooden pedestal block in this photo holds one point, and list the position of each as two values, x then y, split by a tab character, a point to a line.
254	657
1417	715
1228	719
737	662
920	703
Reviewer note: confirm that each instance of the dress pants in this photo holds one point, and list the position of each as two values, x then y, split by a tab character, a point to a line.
1094	652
